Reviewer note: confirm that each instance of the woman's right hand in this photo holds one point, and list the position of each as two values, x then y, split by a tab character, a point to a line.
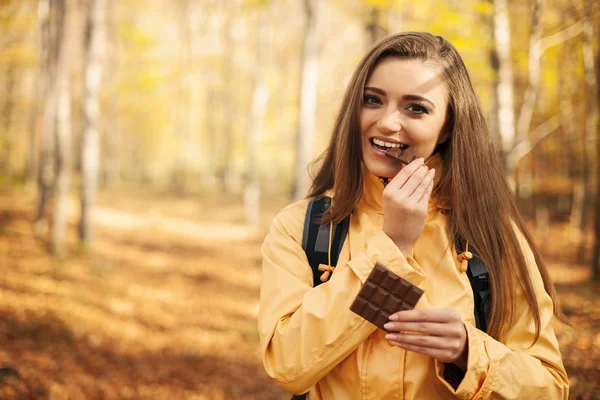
405	201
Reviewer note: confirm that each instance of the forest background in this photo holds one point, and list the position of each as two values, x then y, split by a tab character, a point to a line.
145	147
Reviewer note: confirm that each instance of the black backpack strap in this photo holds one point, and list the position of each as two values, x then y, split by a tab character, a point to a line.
315	237
480	283
479	278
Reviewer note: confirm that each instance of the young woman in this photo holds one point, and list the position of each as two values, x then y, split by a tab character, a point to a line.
412	91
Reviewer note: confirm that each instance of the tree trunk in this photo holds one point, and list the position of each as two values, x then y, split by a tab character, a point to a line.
63	143
112	158
569	128
90	152
180	171
596	256
307	119
374	29
525	187
590	122
39	90
258	111
9	105
227	104
504	89
31	168
52	38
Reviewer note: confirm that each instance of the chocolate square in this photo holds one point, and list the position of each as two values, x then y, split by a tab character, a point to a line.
405	156
383	294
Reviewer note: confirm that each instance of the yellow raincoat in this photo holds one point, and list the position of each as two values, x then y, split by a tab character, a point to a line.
311	341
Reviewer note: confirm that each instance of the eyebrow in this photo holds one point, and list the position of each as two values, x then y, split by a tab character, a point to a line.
405	97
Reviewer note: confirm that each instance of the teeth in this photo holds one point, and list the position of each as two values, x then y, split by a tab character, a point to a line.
379	142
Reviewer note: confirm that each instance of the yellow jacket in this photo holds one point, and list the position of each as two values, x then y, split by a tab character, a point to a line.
311	341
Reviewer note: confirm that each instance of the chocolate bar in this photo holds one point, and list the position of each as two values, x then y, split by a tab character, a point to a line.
403	155
383	294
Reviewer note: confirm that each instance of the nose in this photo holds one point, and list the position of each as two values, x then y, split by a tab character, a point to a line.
390	122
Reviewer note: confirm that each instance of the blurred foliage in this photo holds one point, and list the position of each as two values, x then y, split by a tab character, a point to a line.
180	75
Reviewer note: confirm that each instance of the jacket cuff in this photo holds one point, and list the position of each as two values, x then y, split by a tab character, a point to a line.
380	248
477	367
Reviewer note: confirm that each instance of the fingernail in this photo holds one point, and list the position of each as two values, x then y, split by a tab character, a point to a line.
389	325
392	317
389	337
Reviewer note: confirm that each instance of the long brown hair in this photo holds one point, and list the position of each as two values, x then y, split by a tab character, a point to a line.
483	210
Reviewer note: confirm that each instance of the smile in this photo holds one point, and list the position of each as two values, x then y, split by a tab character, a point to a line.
383	145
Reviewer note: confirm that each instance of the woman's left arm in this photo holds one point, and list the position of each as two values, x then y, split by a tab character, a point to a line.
514	369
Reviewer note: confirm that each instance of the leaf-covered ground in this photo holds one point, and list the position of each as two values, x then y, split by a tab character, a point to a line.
165	305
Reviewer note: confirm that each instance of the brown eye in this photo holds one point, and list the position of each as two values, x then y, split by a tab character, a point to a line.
417	109
369	99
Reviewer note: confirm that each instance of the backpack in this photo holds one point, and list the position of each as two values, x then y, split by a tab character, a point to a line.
315	242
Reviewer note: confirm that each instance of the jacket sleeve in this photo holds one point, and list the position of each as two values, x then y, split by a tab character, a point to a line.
516	369
304	331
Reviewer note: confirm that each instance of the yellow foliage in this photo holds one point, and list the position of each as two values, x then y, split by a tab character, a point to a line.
483	7
381	4
19	54
135	38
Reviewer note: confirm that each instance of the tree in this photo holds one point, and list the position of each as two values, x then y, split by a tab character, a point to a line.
596	256
112	156
52	17
591	112
260	97
374	27
516	141
307	124
224	170
90	152
503	68
31	169
63	141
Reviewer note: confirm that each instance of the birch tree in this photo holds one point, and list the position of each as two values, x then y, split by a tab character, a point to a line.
503	67
307	124
39	90
569	126
260	97
90	152
591	112
112	156
52	15
183	97
227	106
63	140
517	140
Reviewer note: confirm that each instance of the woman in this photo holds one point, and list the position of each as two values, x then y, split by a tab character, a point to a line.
412	91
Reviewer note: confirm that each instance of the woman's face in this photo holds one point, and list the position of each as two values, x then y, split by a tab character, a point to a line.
404	104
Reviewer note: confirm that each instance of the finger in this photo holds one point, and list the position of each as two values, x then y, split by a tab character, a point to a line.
431	342
424	186
426	315
413	182
401	177
427	194
444	329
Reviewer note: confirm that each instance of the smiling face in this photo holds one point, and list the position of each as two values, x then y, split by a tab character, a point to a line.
404	105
